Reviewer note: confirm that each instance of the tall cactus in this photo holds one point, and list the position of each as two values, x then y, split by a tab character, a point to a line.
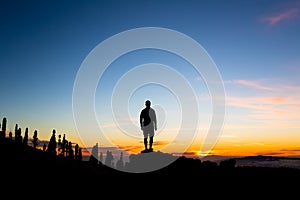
10	135
19	136
16	131
3	131
35	139
52	144
25	139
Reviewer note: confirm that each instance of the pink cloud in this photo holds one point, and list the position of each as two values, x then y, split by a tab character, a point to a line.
258	103
297	107
274	85
273	111
286	15
253	84
276	100
265	101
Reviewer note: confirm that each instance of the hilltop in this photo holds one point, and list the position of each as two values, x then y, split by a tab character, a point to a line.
32	168
25	161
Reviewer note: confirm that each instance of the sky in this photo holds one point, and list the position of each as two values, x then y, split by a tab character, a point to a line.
253	44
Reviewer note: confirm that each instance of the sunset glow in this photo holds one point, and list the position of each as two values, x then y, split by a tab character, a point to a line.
254	45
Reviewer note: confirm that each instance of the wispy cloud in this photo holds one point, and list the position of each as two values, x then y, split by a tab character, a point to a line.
132	148
189	154
260	103
272	104
281	109
286	15
279	89
261	144
297	149
256	84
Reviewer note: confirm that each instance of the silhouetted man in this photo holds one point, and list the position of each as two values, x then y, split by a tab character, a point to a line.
148	125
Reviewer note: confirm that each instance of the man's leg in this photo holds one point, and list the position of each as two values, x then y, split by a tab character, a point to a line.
145	143
150	143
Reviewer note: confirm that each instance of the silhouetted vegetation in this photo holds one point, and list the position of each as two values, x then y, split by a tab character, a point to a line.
3	130
52	144
228	164
25	139
120	162
35	139
94	155
63	159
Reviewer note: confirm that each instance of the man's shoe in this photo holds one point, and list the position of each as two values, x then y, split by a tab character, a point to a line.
145	151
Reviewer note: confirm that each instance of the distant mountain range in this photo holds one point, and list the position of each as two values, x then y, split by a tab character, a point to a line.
267	158
269	161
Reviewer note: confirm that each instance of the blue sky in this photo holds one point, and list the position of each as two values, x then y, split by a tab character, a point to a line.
255	45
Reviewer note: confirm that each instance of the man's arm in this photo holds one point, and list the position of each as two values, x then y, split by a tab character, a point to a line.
154	120
141	120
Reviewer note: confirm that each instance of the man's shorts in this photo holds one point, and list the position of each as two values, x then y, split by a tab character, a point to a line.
148	131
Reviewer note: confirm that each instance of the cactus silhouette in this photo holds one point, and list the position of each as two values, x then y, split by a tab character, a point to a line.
76	152
64	145
16	131
70	150
10	135
52	144
79	157
120	162
25	139
19	136
94	154
35	139
109	159
3	131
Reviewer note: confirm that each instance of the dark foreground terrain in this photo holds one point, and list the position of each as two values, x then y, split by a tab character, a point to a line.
28	167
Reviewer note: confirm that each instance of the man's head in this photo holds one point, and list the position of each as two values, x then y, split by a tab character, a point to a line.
148	103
